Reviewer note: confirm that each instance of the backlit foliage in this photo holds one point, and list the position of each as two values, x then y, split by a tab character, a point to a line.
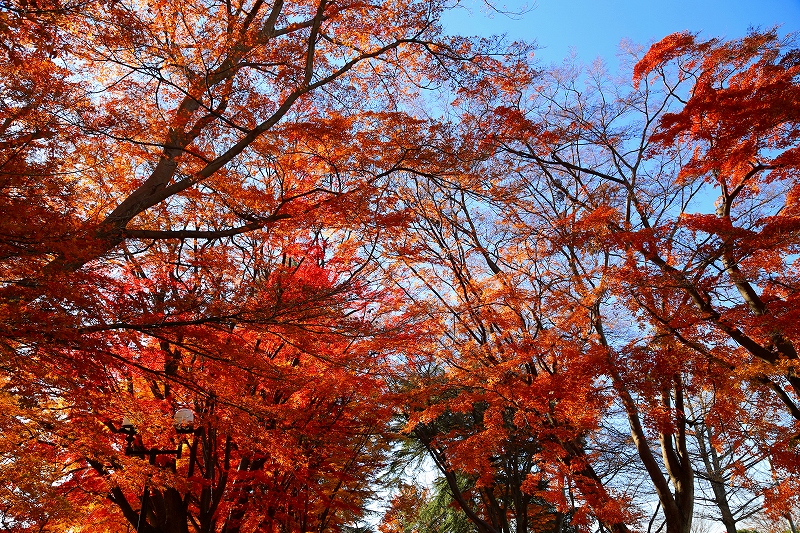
254	210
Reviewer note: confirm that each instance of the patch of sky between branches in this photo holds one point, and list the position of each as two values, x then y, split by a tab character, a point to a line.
595	28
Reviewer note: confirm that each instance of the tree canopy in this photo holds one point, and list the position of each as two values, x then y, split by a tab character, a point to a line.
347	241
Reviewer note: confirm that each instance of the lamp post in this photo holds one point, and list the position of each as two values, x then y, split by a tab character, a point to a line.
184	425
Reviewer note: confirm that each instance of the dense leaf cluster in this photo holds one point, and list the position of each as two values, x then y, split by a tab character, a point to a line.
577	299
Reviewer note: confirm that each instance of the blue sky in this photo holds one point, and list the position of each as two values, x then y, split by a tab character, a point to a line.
595	28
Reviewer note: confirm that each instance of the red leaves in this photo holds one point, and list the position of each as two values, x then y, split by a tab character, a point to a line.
738	114
667	49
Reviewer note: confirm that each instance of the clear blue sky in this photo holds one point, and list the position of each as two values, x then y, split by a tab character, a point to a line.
594	28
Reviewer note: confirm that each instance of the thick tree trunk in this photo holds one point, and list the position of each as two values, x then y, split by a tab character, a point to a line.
676	460
677	502
792	526
166	512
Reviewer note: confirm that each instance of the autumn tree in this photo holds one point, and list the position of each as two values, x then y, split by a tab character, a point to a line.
612	185
193	194
495	392
236	207
723	452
